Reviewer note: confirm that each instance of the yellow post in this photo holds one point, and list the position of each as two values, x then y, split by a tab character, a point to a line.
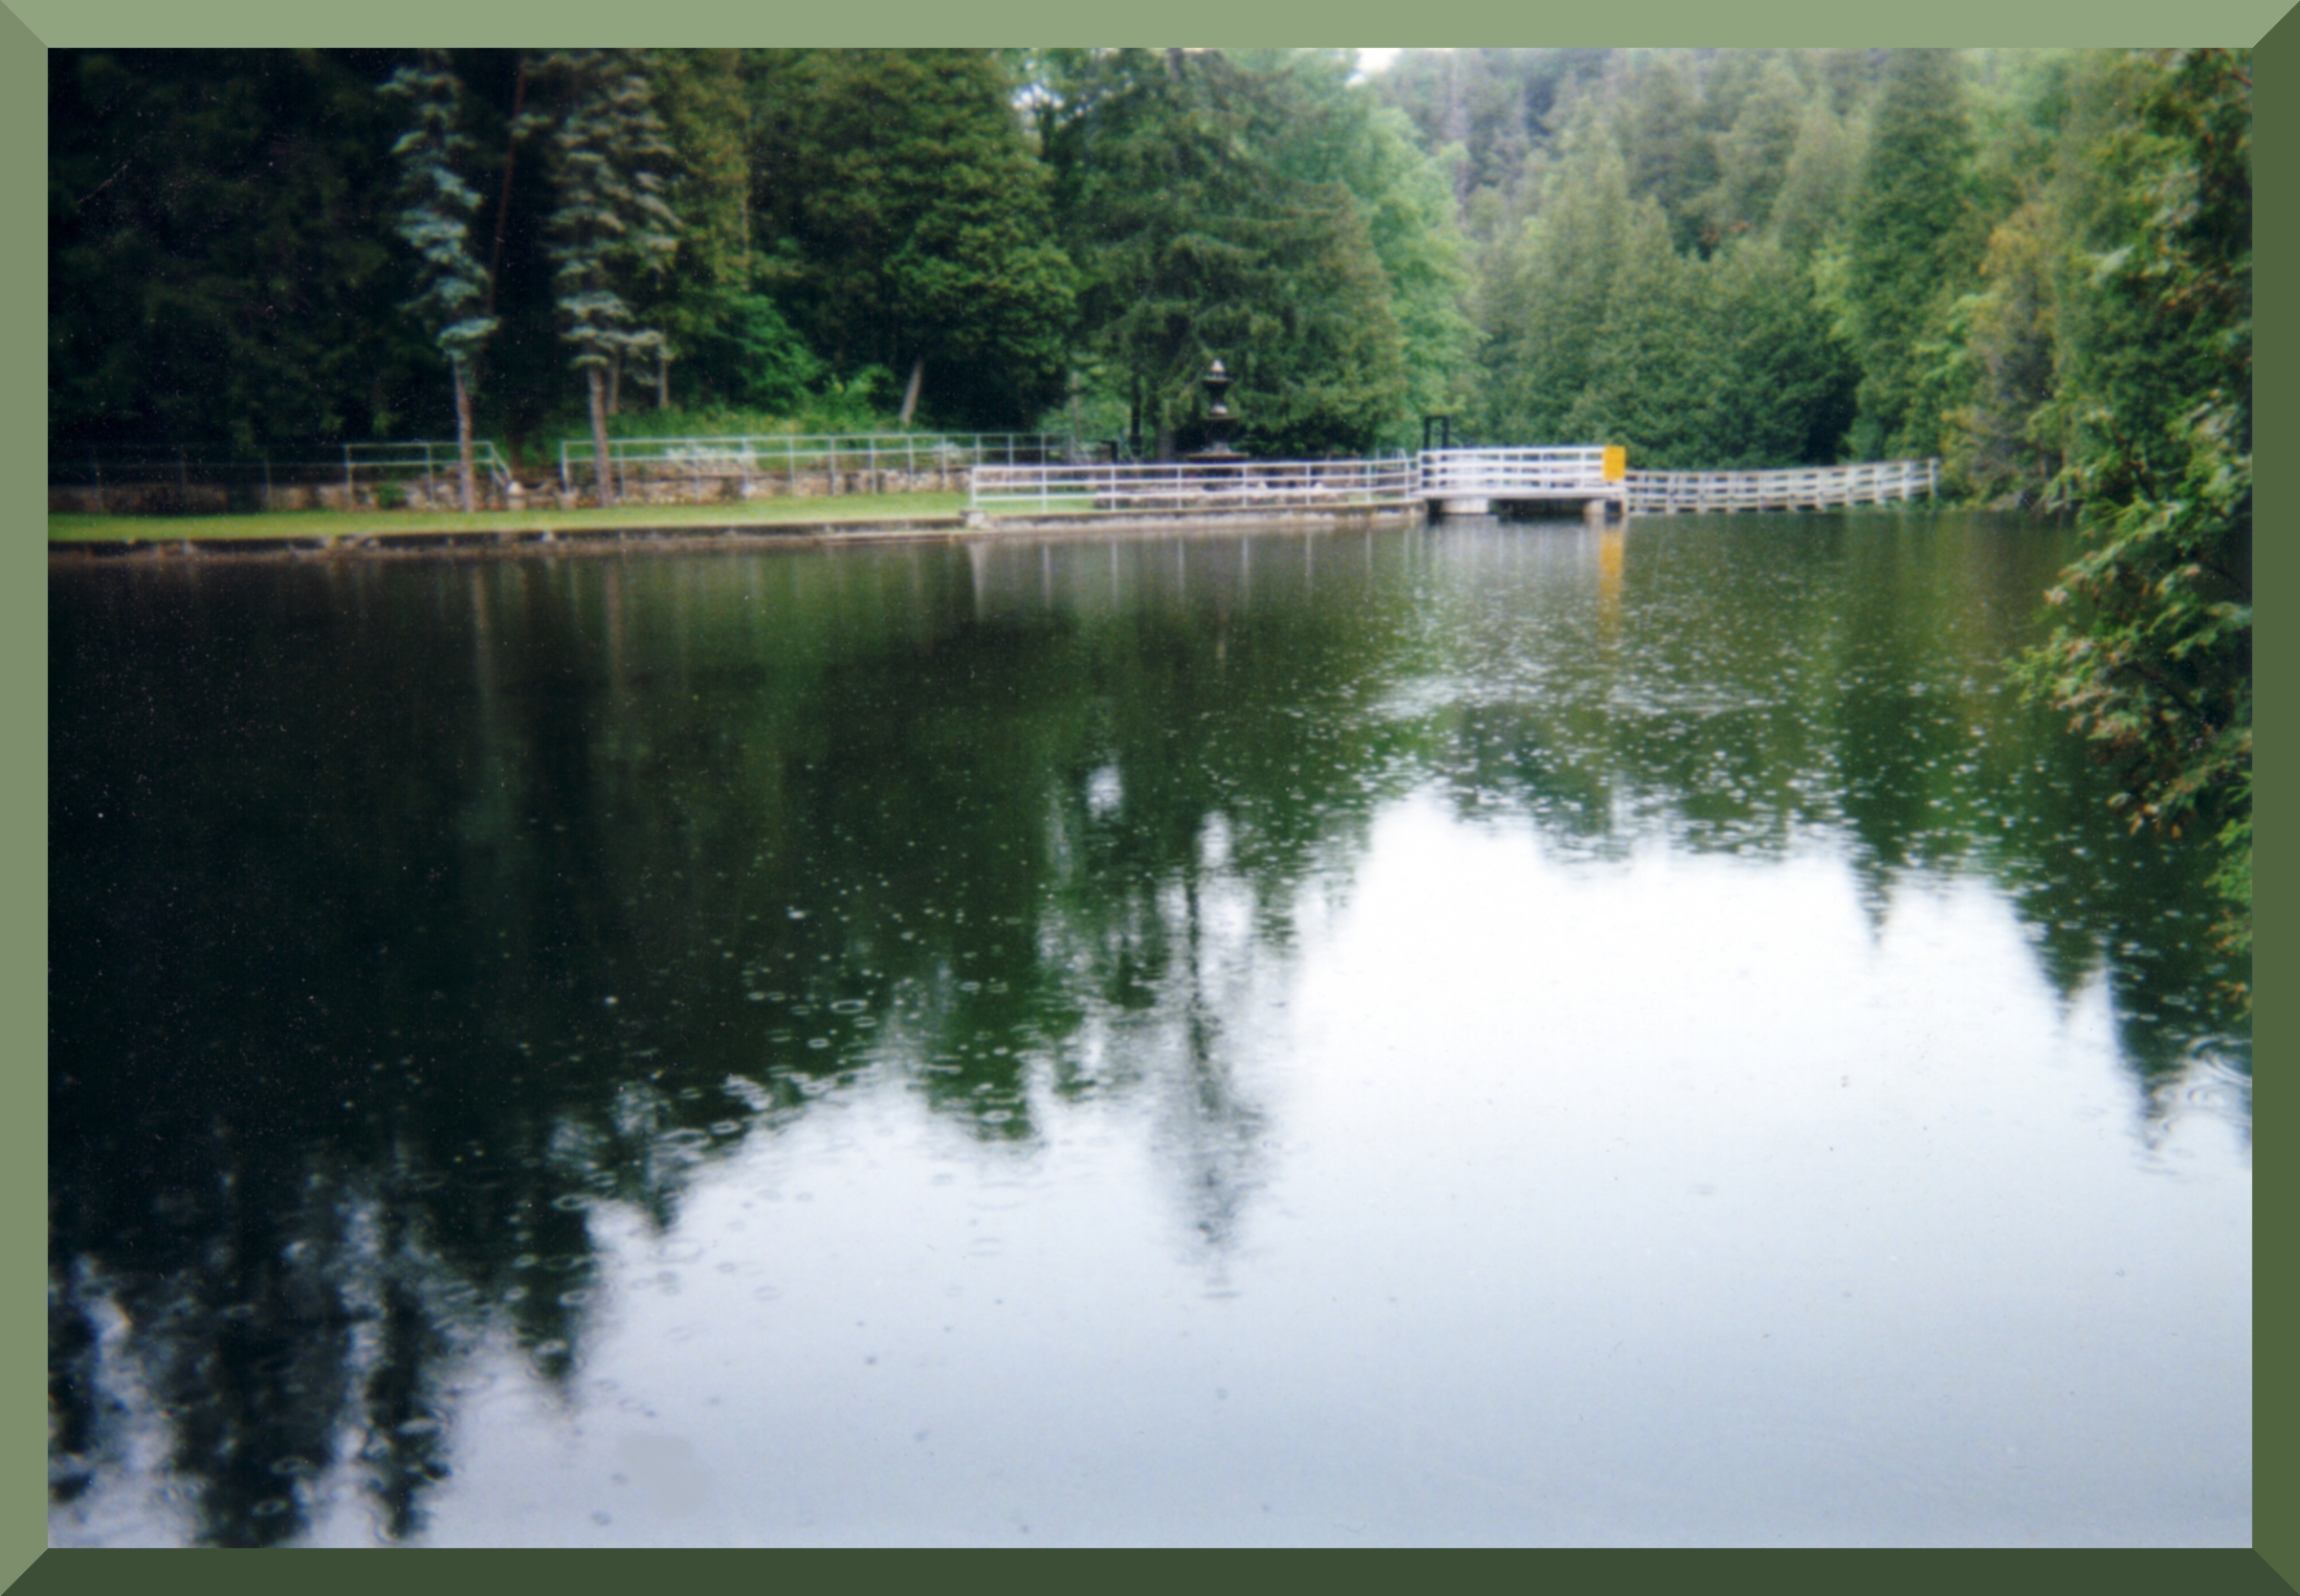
1617	463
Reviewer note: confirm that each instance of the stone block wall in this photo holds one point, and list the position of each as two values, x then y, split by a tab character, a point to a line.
649	483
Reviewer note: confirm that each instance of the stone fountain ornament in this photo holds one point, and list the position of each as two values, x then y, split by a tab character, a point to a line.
1219	421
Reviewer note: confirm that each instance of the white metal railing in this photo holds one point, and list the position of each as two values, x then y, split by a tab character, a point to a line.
1796	488
430	459
1515	472
1192	487
790	457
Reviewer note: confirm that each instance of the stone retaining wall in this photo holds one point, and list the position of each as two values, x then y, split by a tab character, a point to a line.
651	484
654	483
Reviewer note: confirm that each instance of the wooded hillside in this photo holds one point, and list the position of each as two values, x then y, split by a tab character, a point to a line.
1716	257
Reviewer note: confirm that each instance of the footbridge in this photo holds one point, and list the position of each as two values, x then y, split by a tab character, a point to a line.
1481	481
1437	481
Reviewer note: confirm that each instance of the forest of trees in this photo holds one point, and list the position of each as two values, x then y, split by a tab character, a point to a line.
2034	264
1715	257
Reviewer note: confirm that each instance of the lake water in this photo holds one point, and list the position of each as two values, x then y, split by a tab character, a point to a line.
1496	1033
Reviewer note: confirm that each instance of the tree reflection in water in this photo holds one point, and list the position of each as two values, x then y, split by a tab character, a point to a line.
403	913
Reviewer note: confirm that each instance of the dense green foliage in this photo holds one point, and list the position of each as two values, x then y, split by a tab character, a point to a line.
1261	211
2155	661
946	237
1715	257
911	225
221	248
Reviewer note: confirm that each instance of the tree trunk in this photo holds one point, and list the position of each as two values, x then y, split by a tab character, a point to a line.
662	378
910	395
463	445
598	379
615	382
510	151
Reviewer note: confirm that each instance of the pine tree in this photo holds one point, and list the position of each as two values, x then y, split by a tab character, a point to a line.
1904	266
434	154
1780	382
706	118
1323	129
1817	179
612	228
1671	157
1647	352
1753	154
1220	207
917	226
1543	318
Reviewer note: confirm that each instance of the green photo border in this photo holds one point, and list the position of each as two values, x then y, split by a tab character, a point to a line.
30	26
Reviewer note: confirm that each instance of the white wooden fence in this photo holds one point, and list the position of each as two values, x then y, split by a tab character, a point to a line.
1799	488
1193	487
1449	477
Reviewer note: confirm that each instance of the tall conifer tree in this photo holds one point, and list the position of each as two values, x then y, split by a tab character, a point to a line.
1903	260
434	154
1207	207
612	228
917	226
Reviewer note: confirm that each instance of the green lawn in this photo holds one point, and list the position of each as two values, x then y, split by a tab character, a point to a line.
366	523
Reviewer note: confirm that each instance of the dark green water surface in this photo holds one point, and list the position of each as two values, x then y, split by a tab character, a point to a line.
1509	1033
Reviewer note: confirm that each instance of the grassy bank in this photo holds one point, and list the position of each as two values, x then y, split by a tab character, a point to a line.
369	524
